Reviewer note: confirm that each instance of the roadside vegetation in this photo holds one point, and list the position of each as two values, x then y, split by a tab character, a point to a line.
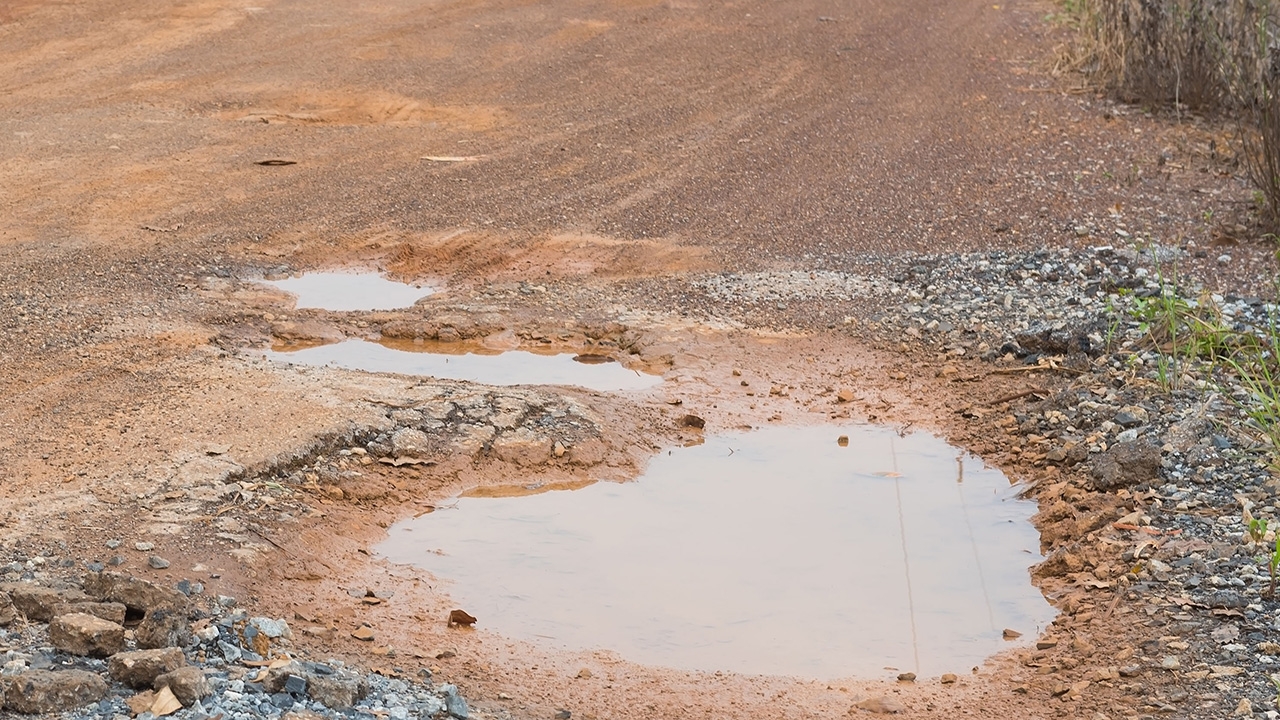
1216	57
1219	58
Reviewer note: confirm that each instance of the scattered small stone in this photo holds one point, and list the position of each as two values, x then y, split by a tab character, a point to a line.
1011	634
948	678
364	632
906	677
563	715
157	562
142	546
584	674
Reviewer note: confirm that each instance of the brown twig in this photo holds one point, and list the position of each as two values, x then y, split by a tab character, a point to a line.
1019	396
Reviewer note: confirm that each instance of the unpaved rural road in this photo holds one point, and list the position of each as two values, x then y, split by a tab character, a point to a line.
564	171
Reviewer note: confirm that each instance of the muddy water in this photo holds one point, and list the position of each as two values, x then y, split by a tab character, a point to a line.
780	551
513	367
341	291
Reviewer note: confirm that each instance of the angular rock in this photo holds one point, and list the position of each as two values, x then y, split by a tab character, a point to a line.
881	705
188	684
1126	464
163	628
455	703
85	634
8	613
1051	340
272	628
410	442
37	602
1131	416
42	691
140	668
335	689
1060	562
112	611
138	595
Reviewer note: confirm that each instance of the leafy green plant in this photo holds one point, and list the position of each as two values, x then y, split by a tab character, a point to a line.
1257	529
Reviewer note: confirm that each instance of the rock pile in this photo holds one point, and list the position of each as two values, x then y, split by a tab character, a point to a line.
115	646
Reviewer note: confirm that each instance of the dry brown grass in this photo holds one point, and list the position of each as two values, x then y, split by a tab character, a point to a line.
1218	57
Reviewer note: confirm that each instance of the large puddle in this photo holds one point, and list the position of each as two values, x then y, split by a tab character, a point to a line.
780	551
468	362
340	291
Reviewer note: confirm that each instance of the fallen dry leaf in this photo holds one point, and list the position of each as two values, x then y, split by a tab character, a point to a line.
165	703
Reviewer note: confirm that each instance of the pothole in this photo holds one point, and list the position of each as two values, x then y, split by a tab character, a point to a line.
350	291
779	551
466	361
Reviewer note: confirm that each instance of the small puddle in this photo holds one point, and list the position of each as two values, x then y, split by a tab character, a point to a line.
778	551
340	291
513	367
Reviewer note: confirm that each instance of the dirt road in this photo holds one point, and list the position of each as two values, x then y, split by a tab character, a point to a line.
565	171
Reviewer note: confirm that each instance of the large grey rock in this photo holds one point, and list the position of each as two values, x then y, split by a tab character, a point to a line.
42	691
163	628
136	594
1125	464
140	668
37	602
8	613
85	634
112	611
188	684
333	688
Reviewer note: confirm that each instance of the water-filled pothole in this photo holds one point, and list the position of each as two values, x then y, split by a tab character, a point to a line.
342	291
458	361
779	551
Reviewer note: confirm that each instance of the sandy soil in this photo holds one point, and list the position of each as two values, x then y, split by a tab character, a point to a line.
557	168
